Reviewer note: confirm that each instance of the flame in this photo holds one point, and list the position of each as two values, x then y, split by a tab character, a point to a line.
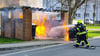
41	28
66	38
21	16
40	31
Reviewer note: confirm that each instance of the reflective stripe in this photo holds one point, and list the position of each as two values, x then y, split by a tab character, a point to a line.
82	41
88	43
80	33
77	43
78	29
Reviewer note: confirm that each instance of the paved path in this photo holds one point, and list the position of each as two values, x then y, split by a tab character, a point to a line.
31	43
95	29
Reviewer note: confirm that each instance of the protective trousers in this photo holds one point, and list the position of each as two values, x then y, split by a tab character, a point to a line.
82	38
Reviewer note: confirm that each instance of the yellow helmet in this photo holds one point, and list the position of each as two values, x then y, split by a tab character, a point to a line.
79	21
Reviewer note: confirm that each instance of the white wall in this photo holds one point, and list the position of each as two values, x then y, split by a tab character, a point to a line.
89	10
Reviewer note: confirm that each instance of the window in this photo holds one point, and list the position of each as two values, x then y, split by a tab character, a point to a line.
87	15
87	6
78	15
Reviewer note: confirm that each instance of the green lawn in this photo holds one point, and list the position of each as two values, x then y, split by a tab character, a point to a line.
9	40
93	27
93	24
93	33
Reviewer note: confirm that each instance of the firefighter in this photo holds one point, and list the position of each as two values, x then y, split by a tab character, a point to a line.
81	33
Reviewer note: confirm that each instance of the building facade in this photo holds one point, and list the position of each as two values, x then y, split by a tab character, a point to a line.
56	5
31	3
89	11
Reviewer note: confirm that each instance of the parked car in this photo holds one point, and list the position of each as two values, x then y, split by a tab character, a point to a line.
89	21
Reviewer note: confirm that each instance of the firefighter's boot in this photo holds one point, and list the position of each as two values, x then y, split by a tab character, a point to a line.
76	46
82	44
87	47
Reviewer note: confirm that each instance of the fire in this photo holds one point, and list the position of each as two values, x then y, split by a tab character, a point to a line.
67	33
41	28
21	16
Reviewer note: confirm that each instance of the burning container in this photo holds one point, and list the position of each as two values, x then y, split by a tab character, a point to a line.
16	22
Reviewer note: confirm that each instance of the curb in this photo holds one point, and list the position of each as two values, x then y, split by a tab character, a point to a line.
13	48
28	45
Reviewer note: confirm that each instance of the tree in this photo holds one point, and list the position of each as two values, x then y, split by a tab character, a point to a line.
73	6
94	14
85	10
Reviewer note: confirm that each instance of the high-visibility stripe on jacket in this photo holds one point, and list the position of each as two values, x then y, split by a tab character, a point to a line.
81	29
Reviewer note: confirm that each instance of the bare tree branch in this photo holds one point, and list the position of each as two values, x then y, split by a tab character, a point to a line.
81	3
73	7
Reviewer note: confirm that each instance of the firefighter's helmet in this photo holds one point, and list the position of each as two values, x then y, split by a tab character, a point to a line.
79	21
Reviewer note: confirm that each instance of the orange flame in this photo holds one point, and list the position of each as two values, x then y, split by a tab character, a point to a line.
40	29
21	16
67	33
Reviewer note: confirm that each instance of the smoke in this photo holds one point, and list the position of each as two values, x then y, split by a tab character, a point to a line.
58	31
54	27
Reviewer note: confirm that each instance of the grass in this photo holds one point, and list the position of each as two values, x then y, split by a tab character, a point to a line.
93	24
93	27
93	33
9	40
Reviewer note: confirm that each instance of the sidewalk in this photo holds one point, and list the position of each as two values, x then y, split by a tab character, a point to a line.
31	44
37	43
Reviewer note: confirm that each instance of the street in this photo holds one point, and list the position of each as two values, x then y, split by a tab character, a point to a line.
49	27
60	50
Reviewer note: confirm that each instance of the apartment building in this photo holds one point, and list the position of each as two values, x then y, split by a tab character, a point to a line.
89	10
32	3
56	5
